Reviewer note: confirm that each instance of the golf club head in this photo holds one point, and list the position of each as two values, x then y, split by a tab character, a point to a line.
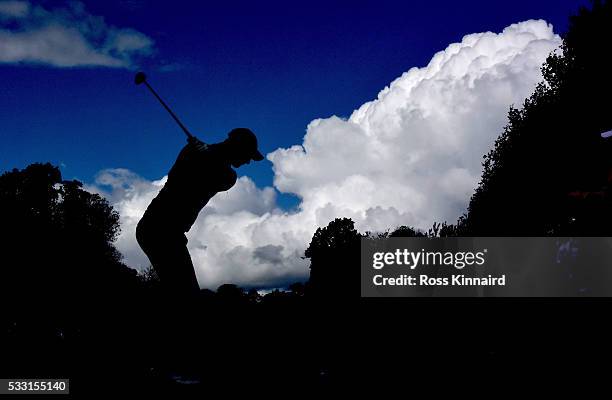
140	78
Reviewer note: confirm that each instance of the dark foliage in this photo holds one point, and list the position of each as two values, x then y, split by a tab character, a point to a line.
552	146
55	235
334	253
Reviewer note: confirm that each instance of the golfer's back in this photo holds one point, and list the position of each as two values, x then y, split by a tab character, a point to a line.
200	171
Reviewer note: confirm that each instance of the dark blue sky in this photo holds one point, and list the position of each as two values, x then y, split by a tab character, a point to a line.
269	66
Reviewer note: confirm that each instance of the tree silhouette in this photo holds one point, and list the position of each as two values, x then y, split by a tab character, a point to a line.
57	241
334	260
552	145
62	283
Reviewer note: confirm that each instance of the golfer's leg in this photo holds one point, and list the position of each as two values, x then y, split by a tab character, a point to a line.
177	269
179	280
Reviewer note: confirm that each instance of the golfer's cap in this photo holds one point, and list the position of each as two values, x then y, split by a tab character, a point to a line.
247	139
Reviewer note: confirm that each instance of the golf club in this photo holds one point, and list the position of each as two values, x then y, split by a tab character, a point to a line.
142	78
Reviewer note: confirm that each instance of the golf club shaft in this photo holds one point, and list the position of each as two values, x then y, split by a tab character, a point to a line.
189	135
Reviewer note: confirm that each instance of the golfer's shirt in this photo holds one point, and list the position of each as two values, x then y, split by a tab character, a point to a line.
198	174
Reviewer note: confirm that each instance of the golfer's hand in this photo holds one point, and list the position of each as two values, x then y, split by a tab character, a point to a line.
197	143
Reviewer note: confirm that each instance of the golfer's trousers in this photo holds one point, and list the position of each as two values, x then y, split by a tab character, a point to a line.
166	247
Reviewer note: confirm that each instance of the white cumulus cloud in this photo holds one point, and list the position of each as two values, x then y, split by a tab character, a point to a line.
66	37
411	157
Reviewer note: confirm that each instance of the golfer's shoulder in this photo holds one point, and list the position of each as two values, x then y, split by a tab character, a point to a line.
192	152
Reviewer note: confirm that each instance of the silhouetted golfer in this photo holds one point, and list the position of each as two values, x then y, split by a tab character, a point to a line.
200	171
